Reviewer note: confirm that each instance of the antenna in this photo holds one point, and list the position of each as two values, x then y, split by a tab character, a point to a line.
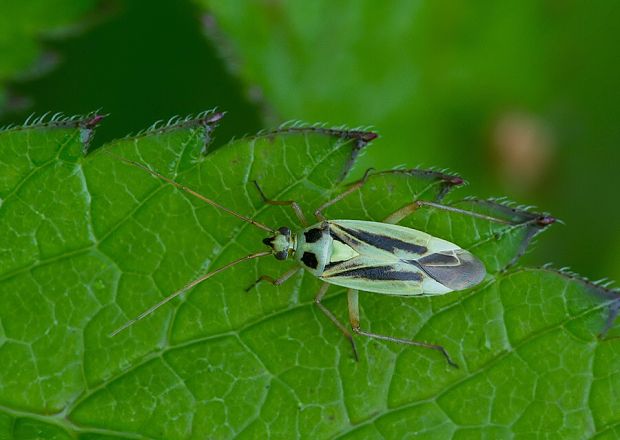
192	192
184	289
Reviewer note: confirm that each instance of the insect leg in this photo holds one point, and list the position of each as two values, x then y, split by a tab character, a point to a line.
354	187
191	192
293	204
275	281
354	317
414	206
347	334
185	288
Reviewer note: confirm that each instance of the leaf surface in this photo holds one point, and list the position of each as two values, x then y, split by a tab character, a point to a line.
88	241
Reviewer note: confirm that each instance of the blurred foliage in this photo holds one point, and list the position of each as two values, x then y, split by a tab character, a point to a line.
142	62
22	24
519	96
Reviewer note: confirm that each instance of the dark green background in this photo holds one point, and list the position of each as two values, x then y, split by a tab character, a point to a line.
554	63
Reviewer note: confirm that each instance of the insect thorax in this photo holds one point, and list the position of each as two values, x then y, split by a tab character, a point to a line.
316	248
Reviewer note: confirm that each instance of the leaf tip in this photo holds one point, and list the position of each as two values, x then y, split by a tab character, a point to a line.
455	180
87	126
361	136
546	220
209	120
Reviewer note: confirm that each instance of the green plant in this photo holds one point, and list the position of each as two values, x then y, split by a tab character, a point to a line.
87	241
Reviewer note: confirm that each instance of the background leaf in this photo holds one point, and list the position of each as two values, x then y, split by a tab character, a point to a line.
88	241
21	25
519	96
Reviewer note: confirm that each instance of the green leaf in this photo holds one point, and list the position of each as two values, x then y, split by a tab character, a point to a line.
443	70
89	241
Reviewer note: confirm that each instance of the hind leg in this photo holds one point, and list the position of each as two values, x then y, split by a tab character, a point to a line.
354	318
347	334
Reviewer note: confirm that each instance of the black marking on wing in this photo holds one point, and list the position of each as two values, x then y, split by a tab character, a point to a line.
389	244
313	235
336	237
380	273
332	264
310	260
439	259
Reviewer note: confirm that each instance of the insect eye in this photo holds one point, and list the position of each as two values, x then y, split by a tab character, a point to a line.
282	255
284	231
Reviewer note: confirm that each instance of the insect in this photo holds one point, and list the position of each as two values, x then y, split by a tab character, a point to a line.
379	257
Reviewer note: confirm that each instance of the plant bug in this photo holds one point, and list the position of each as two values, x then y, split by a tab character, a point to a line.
379	257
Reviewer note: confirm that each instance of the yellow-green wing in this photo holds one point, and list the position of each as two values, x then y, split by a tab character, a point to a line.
396	260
